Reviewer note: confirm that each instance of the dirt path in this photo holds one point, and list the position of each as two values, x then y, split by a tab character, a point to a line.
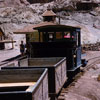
6	54
87	87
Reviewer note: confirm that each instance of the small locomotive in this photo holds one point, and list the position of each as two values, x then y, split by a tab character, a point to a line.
55	40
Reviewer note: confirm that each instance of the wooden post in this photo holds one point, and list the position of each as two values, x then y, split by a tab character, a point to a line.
39	36
12	44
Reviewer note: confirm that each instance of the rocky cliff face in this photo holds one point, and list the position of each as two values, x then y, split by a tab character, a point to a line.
5	3
12	18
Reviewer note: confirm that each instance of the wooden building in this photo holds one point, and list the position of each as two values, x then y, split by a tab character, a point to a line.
4	39
1	34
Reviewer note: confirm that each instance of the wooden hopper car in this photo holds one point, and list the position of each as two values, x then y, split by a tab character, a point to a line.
57	74
24	84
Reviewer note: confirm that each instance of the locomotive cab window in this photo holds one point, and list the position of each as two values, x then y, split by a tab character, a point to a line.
46	37
50	36
67	35
34	37
59	35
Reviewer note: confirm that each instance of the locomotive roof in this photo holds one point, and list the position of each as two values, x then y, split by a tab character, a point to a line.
55	27
50	26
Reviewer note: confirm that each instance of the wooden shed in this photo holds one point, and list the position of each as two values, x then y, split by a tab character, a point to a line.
30	33
4	39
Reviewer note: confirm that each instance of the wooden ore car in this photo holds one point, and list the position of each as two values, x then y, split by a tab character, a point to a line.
24	84
57	72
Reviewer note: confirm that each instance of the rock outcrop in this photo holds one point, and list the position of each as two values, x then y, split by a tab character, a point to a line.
20	16
6	3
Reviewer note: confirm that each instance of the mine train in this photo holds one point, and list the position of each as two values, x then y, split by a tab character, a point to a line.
57	41
54	57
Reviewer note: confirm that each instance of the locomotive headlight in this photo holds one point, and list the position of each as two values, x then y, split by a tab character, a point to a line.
74	56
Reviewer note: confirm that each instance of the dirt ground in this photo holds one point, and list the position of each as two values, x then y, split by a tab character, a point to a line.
87	86
6	54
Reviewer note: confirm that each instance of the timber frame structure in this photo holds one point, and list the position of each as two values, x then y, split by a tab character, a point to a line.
4	39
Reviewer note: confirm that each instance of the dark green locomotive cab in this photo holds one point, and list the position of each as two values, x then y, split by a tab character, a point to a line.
58	41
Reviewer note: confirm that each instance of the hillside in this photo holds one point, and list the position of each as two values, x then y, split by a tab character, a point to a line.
5	3
16	17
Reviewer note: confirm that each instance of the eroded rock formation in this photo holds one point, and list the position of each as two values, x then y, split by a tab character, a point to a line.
4	3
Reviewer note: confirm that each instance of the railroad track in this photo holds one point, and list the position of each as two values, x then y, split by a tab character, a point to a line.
10	61
91	62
